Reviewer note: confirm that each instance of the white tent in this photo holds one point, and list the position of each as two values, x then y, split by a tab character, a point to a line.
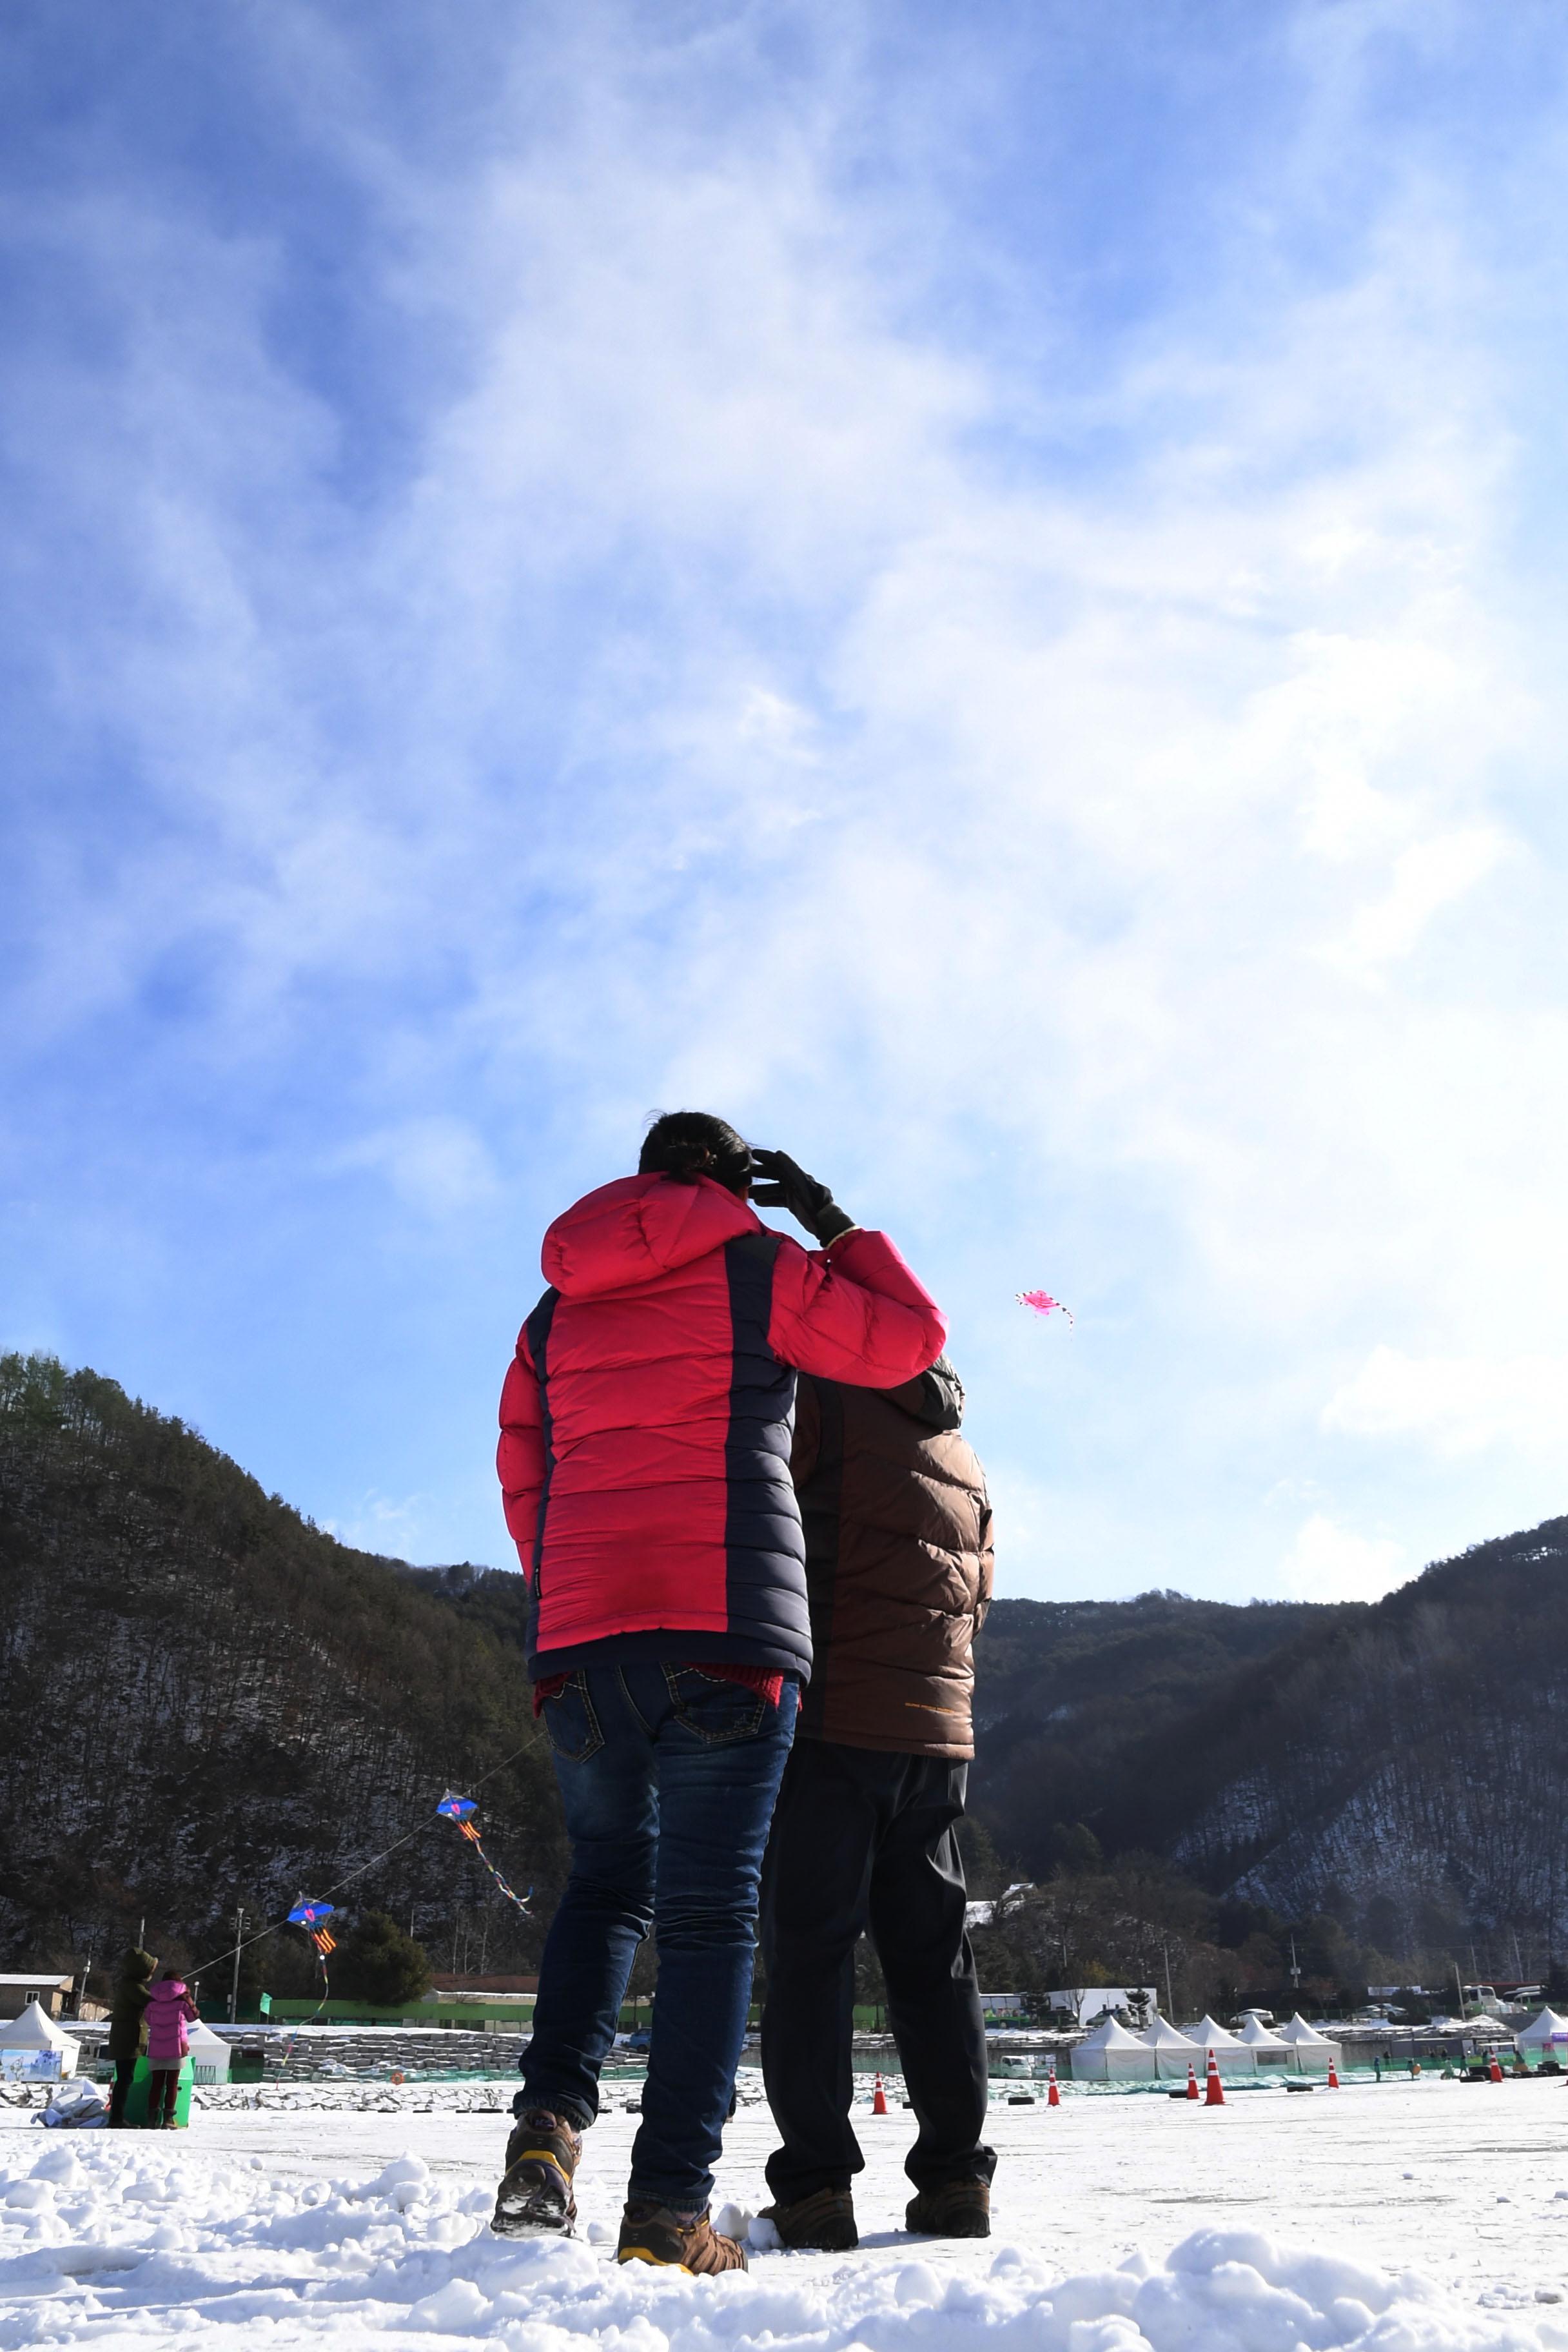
1268	2049
1309	2050
1234	2056
34	2044
1172	2052
1545	2036
1112	2054
209	2054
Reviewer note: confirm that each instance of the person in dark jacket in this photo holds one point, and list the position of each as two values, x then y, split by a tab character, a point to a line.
126	2014
644	1462
898	1567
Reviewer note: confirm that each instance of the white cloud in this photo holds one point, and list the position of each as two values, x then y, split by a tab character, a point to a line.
1328	1562
439	1167
383	1524
1426	878
748	687
1456	1404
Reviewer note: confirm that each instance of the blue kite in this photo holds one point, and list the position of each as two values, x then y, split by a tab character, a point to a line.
457	1810
305	1915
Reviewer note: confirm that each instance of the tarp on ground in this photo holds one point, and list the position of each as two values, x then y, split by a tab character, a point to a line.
1112	2054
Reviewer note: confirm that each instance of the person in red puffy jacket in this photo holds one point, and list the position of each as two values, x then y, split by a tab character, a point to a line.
644	1459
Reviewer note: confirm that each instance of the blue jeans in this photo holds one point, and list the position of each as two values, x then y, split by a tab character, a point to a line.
667	1779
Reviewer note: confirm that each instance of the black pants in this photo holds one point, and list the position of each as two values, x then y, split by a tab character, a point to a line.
124	2075
862	1838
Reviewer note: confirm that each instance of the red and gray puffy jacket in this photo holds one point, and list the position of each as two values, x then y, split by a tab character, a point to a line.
645	1419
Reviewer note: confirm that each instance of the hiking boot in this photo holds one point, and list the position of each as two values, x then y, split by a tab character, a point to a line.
535	2192
959	2209
686	2241
823	2222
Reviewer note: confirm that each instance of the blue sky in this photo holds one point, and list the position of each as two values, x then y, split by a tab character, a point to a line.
977	590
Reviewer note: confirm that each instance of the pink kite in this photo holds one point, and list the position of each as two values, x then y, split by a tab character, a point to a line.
1043	1303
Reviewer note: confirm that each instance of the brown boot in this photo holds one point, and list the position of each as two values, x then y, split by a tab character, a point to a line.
823	2222
535	2193
687	2241
959	2209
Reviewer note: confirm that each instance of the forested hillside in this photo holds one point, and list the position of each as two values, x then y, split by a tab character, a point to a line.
1415	1758
204	1700
1400	1767
1068	1692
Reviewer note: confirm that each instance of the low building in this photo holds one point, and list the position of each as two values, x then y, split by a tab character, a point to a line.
484	2012
469	1984
50	1990
1086	2004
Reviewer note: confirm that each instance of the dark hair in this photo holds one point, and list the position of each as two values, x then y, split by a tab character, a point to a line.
687	1144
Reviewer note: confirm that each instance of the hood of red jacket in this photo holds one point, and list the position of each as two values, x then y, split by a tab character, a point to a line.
168	1989
637	1228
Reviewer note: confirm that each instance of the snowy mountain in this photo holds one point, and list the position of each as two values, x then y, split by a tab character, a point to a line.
1405	1762
205	1700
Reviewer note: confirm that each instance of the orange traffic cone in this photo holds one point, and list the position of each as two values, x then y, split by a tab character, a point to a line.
1494	2071
1053	2096
1334	2075
878	2099
1213	2096
1191	2081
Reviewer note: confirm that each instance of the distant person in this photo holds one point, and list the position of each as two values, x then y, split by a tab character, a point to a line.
170	2009
899	1565
126	2015
645	1460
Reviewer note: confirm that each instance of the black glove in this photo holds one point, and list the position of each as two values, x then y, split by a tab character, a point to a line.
809	1203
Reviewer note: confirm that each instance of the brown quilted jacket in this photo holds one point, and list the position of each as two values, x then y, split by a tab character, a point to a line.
898	1562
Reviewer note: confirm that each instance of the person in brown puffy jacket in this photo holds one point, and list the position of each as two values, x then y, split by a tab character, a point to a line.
898	1567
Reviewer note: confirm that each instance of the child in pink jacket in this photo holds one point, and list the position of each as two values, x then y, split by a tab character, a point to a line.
169	2010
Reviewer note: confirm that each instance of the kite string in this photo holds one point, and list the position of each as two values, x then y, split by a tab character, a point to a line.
325	1942
271	1926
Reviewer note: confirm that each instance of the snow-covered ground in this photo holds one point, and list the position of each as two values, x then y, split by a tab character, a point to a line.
1414	2217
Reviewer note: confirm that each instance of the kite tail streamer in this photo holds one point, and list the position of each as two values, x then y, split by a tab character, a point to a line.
311	1916
459	1811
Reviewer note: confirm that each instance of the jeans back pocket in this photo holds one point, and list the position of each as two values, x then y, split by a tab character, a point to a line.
716	1710
570	1725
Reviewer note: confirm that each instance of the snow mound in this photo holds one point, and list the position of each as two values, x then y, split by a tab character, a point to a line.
136	2243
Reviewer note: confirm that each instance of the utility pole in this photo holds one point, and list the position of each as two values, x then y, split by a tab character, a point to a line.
1517	1963
81	1987
1170	2005
1460	1990
234	1986
1295	1973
